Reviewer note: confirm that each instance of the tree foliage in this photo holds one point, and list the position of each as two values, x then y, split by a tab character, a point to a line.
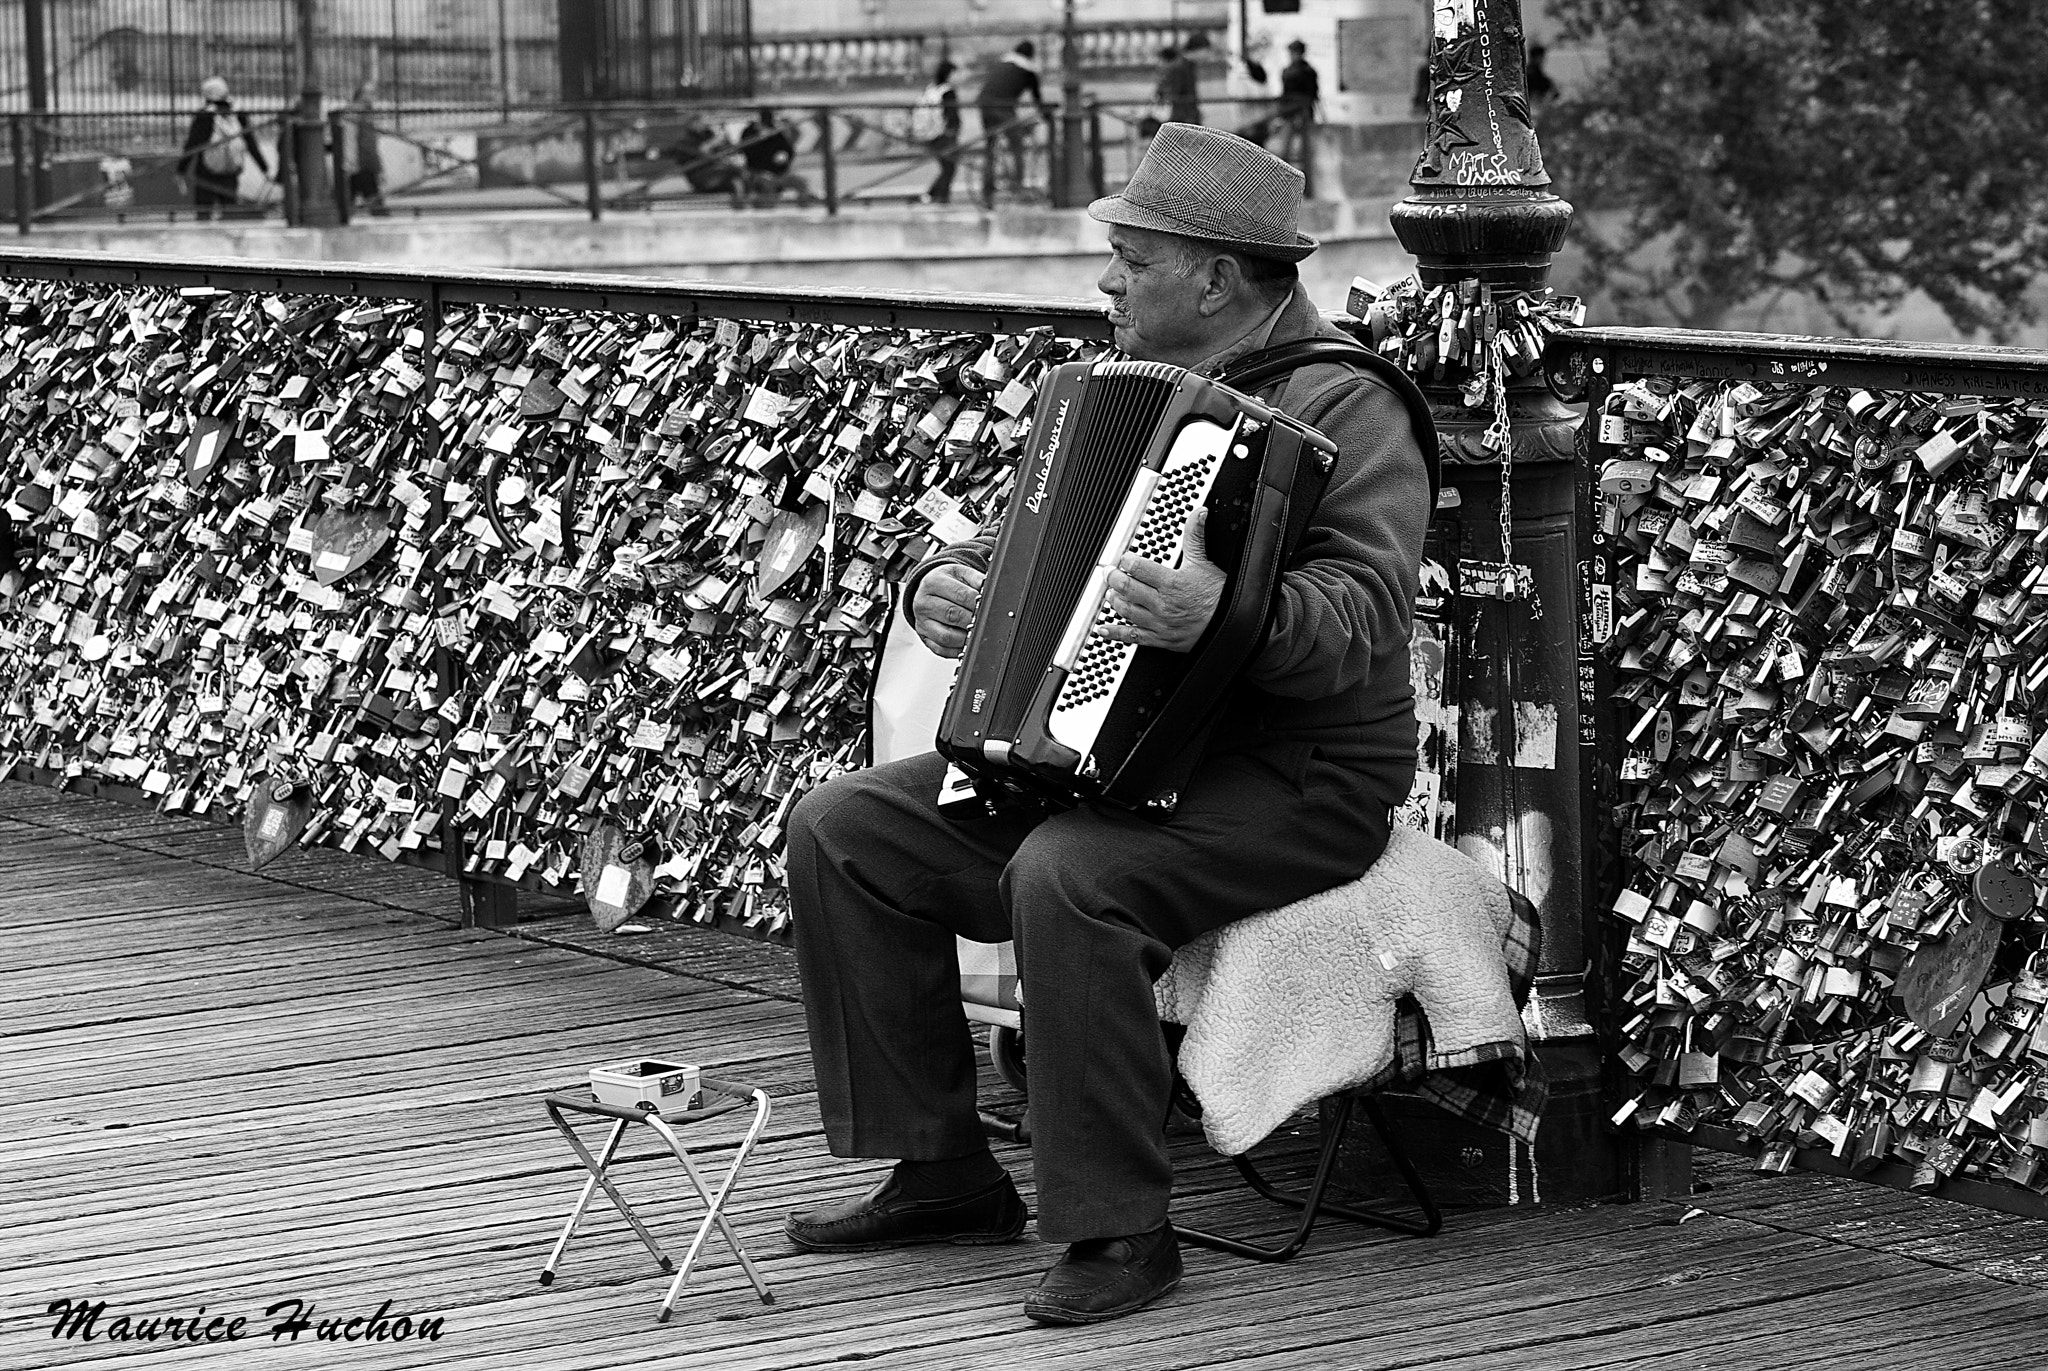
1853	150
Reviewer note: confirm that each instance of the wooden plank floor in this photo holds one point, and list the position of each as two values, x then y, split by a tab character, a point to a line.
227	1090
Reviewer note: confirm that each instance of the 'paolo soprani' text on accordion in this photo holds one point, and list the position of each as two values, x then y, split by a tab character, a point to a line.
1121	456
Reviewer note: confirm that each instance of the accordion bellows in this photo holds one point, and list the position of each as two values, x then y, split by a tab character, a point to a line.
1122	456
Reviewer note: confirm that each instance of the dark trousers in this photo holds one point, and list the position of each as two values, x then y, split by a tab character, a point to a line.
946	148
1097	900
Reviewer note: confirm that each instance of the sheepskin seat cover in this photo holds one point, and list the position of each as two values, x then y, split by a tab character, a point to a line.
1288	1006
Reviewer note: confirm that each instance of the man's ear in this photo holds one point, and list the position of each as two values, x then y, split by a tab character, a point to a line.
1222	283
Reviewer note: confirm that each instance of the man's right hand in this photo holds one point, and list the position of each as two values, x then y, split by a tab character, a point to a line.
943	609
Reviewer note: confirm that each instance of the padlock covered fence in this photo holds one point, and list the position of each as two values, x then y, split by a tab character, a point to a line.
1817	606
490	560
482	560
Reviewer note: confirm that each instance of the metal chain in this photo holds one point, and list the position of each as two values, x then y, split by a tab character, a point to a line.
1500	439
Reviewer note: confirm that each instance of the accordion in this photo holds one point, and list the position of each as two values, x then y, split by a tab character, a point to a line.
1121	457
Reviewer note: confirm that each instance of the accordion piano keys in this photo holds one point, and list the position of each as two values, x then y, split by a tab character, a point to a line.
1155	525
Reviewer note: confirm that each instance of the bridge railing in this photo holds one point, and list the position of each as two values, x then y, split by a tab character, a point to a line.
473	561
1813	603
497	569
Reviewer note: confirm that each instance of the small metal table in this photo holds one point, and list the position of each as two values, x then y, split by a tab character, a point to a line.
730	1096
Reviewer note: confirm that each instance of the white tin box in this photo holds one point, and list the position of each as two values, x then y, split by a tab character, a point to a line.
670	1087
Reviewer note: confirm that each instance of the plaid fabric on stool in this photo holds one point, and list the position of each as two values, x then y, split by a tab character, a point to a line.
988	974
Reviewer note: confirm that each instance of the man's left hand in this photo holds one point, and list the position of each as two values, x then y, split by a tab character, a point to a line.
1167	607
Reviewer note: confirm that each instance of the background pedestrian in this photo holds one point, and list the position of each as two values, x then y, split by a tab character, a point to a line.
361	155
1014	80
1179	87
217	146
936	123
1300	91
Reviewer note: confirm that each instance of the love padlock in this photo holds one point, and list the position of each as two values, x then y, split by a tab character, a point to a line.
617	875
275	817
2002	890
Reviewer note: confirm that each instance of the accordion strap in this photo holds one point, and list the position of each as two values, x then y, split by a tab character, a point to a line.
1255	371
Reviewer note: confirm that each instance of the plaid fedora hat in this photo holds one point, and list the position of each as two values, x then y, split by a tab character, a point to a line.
1204	183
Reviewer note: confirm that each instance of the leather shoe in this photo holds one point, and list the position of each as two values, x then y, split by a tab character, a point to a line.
1106	1278
886	1217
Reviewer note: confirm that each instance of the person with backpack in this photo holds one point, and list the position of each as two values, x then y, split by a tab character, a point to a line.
935	122
217	147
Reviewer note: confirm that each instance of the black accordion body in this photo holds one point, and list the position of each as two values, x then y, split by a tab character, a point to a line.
1121	456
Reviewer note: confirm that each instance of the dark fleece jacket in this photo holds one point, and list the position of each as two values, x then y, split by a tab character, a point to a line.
1333	670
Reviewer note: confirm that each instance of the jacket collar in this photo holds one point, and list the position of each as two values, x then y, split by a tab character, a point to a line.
1299	318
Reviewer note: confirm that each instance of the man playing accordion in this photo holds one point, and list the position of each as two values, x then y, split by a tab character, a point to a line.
1292	795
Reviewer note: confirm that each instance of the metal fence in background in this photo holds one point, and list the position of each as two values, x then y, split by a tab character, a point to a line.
139	56
594	158
598	158
112	57
655	49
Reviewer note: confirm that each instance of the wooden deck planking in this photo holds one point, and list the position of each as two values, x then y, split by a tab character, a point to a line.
268	1046
248	1127
1395	1292
1874	1323
330	1091
405	1168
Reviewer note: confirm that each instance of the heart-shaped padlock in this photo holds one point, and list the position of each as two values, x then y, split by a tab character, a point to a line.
617	874
206	447
792	536
1942	978
540	399
345	539
276	815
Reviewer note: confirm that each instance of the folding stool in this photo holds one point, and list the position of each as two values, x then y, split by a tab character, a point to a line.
735	1096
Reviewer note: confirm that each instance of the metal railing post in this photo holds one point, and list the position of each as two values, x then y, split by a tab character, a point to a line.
1076	154
288	178
336	136
988	166
24	184
1056	151
831	157
593	185
1096	184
